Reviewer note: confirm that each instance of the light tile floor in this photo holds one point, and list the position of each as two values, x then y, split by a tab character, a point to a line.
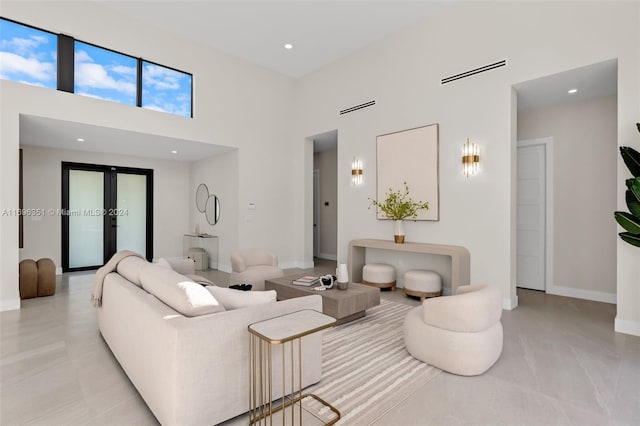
562	364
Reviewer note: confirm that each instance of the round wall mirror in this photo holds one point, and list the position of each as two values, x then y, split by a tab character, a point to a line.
212	210
202	195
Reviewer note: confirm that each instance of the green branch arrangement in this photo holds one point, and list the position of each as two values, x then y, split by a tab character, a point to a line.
398	205
631	221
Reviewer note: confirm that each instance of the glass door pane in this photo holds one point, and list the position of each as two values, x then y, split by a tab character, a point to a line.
86	221
131	213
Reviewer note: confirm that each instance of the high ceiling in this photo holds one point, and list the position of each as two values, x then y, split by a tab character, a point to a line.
321	32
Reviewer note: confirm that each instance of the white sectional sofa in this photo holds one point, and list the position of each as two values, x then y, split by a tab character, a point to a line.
189	370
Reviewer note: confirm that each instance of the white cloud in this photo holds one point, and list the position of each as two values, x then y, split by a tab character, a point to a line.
90	75
12	64
24	46
161	78
123	70
82	56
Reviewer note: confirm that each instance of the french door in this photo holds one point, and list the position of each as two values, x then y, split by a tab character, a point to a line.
105	209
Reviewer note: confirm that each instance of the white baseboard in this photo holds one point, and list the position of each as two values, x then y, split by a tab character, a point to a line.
327	256
9	305
509	304
627	327
296	264
224	268
58	270
596	296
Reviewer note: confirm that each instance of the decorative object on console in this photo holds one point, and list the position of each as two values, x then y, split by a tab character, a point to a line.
342	276
411	157
379	275
631	221
398	206
470	158
357	175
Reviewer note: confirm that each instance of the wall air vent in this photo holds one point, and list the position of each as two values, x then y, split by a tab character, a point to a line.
474	71
357	107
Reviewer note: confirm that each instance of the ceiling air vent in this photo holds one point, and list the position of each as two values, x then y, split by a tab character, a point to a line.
474	71
357	107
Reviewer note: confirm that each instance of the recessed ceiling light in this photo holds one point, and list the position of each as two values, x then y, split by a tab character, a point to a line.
80	140
572	91
288	46
174	152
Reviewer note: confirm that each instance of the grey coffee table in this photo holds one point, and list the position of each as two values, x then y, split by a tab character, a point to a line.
343	305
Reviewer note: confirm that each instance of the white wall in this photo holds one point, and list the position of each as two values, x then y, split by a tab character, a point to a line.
326	163
42	176
403	71
584	198
220	174
235	104
268	117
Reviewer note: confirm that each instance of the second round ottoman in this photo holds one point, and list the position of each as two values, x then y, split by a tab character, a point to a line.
379	275
422	283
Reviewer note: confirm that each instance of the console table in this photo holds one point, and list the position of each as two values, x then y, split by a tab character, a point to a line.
205	241
460	259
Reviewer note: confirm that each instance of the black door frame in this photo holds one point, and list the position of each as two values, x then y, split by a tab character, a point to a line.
110	205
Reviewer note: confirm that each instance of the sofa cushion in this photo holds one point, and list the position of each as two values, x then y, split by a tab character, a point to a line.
179	292
130	268
164	263
236	299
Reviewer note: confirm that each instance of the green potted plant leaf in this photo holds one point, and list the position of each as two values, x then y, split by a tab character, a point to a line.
631	221
398	206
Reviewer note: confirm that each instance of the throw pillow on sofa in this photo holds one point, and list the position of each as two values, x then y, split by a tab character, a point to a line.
236	299
179	292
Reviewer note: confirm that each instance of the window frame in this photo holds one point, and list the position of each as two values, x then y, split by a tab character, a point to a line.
65	66
142	61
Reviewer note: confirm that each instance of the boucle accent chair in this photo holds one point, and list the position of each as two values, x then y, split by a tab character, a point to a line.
461	334
253	266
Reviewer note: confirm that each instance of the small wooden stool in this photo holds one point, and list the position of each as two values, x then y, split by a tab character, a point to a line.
379	275
422	283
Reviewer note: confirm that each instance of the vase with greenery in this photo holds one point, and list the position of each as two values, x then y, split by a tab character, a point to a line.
398	206
631	221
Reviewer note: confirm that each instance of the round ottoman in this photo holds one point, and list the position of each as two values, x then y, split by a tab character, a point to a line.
422	283
379	275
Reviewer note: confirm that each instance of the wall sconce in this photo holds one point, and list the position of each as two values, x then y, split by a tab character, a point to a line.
470	158
357	175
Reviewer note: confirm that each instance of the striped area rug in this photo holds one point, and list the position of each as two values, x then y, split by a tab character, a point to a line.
366	369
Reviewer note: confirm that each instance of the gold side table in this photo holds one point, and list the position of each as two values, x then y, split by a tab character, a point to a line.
263	336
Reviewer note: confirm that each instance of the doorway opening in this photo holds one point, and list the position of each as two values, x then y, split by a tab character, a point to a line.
325	195
105	209
565	174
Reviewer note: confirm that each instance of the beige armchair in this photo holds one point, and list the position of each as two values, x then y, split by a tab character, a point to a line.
253	266
461	334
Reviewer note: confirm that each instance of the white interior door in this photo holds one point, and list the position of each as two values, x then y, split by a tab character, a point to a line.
531	211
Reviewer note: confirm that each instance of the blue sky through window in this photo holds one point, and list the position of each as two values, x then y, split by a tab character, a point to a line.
104	74
165	89
28	55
